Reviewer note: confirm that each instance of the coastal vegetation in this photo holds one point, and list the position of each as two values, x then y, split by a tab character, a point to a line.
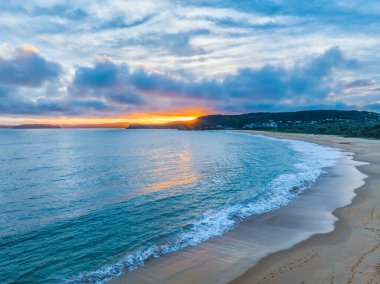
331	122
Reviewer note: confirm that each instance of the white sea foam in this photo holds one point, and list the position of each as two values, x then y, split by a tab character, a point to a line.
313	160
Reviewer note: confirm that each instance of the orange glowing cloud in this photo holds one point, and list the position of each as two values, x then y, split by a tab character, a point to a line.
29	48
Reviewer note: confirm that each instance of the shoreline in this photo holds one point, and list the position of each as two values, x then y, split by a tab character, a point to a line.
348	254
240	251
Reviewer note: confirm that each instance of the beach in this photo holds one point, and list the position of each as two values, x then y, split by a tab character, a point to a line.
306	241
348	254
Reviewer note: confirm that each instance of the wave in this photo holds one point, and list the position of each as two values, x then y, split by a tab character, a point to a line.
313	160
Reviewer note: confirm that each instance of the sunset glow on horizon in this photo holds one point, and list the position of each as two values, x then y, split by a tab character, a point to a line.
70	121
119	121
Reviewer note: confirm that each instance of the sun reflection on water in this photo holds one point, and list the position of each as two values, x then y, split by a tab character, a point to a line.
177	172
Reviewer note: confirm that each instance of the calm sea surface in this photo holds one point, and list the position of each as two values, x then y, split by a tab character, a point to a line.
82	206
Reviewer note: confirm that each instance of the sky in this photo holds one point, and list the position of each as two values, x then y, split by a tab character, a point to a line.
78	62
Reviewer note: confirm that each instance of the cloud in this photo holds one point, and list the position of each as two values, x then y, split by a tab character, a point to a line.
360	83
63	11
303	83
18	102
30	85
105	80
14	102
177	44
27	68
109	87
229	56
120	22
311	80
103	74
40	9
203	37
373	106
271	87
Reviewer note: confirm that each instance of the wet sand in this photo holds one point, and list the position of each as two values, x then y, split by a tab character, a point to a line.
350	253
276	247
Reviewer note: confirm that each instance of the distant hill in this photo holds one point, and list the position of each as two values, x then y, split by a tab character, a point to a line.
333	122
97	125
181	125
36	126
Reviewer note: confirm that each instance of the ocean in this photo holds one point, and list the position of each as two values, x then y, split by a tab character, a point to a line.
84	205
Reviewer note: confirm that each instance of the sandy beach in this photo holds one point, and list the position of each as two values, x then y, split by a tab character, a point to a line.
350	253
297	243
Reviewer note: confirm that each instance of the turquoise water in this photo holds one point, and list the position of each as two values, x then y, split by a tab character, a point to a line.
81	206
